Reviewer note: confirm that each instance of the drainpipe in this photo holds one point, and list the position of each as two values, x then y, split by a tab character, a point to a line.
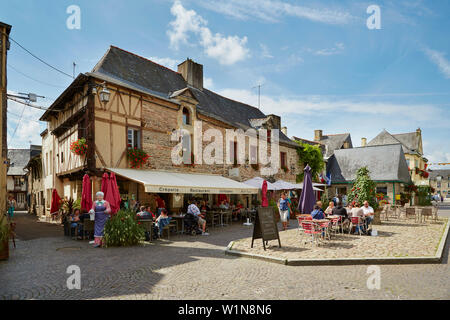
393	191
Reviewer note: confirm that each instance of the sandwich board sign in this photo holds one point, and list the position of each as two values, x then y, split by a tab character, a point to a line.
265	226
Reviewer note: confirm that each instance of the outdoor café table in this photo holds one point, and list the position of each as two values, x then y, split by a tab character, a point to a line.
180	218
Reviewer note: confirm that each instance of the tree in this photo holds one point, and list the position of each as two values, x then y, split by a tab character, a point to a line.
312	156
363	189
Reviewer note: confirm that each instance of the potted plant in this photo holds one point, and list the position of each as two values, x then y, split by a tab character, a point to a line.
79	147
5	231
123	229
285	169
137	157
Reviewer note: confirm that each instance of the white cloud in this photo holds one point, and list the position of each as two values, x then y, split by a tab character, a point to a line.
265	51
166	62
226	49
274	11
439	59
337	49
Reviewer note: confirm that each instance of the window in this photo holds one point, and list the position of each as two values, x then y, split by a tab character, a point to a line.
416	163
382	190
188	155
283	160
233	153
62	157
186	116
21	198
269	134
17	182
253	154
134	138
407	162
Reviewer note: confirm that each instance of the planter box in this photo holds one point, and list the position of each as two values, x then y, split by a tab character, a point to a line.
4	250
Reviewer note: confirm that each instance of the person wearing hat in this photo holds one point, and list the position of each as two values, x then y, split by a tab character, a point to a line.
102	211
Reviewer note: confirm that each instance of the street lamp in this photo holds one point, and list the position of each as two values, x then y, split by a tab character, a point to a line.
104	92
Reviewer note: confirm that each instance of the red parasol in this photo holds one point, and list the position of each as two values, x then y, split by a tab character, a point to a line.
105	181
115	191
55	203
86	194
264	202
109	194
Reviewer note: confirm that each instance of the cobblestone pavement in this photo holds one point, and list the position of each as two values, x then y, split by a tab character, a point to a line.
396	238
197	268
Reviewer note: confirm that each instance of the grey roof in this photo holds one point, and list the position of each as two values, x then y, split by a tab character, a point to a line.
385	163
18	159
334	142
148	76
445	173
410	141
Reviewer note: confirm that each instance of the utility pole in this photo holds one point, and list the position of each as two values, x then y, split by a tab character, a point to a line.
5	29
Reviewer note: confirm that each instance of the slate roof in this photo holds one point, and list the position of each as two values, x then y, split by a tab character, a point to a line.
385	163
148	76
334	142
409	141
18	159
445	173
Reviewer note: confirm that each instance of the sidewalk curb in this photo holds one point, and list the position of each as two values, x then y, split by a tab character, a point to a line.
437	258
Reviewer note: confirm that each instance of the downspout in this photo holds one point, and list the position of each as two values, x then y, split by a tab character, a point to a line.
393	191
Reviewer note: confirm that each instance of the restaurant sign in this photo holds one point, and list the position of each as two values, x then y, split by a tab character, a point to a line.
197	190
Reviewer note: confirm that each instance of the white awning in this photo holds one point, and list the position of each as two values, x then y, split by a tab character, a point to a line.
257	183
300	186
175	182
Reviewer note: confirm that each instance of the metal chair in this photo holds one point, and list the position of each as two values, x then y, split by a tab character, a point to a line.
356	222
312	229
435	210
410	212
426	212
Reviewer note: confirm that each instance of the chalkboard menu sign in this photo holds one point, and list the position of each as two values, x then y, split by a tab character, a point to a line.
265	226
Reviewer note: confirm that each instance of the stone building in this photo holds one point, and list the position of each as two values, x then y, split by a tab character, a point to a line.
35	182
332	142
387	166
412	146
440	181
16	182
147	104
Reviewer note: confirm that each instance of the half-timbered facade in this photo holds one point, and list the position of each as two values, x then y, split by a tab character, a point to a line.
147	104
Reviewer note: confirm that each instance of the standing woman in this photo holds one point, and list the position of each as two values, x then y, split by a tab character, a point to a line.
11	206
102	211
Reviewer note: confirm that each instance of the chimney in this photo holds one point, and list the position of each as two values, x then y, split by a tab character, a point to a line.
284	130
192	73
418	132
363	142
317	135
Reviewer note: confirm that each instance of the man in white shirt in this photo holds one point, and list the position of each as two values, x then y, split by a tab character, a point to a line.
193	209
368	213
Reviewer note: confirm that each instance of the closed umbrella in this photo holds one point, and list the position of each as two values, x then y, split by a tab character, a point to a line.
307	199
264	202
86	194
55	203
105	182
115	190
109	194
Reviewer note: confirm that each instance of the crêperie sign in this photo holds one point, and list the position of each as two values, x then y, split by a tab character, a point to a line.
265	226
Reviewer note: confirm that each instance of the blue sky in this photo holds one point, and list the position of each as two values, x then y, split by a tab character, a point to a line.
319	65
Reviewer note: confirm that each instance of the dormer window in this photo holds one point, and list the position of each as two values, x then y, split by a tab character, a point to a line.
186	116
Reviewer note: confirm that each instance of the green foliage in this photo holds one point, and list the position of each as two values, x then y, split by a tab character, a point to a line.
312	156
324	199
123	229
424	195
4	229
363	189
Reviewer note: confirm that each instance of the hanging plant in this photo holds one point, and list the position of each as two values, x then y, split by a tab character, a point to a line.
79	147
137	157
285	169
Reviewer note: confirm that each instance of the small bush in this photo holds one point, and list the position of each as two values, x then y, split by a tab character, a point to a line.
123	230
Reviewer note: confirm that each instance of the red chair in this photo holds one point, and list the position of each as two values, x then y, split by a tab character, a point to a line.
356	222
313	229
325	229
336	224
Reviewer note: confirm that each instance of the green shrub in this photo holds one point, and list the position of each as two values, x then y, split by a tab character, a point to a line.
123	230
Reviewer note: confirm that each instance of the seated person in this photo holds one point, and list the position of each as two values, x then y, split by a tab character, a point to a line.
237	210
317	213
145	213
357	212
194	210
204	207
369	214
162	221
330	208
224	205
339	210
75	222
